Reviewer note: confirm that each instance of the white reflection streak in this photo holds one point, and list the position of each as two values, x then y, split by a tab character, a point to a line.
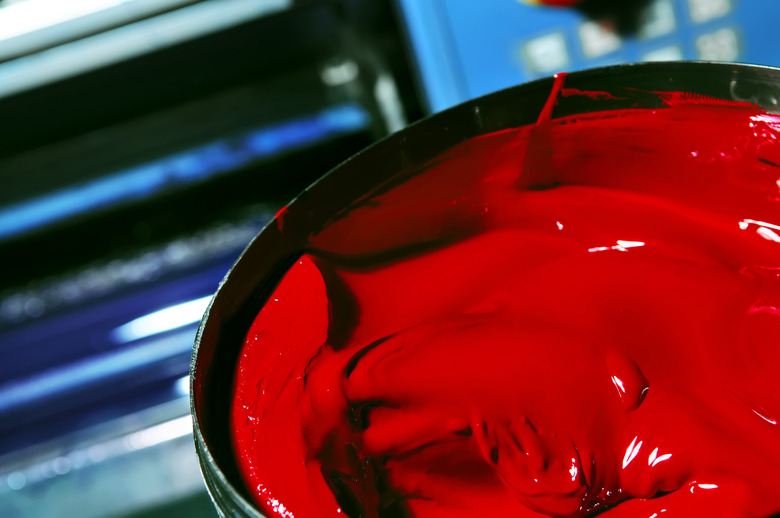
182	386
765	230
280	509
747	222
21	18
652	456
573	470
769	120
631	452
708	486
167	431
622	245
770	420
661	458
163	320
769	235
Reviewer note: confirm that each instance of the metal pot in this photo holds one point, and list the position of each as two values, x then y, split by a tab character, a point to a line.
246	287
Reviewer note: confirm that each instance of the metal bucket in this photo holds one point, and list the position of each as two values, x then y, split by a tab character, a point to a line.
248	284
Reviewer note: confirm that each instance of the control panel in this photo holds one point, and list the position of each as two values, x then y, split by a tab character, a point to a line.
465	49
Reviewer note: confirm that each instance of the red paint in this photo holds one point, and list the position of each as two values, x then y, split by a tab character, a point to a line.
280	218
592	94
589	322
546	114
688	98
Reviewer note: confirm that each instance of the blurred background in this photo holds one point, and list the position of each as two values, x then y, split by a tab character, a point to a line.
144	142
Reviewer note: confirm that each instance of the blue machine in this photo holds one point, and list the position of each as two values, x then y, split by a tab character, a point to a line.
465	49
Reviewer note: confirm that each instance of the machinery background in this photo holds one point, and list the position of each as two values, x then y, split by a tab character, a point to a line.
143	143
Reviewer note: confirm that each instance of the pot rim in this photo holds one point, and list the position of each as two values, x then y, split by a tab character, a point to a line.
270	253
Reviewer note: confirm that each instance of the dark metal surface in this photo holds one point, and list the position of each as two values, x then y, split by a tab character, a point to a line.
250	281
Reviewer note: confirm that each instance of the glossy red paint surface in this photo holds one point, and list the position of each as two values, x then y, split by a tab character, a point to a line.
576	317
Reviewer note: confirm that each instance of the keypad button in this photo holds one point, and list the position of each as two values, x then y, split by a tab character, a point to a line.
657	19
706	10
668	53
721	45
546	53
598	38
